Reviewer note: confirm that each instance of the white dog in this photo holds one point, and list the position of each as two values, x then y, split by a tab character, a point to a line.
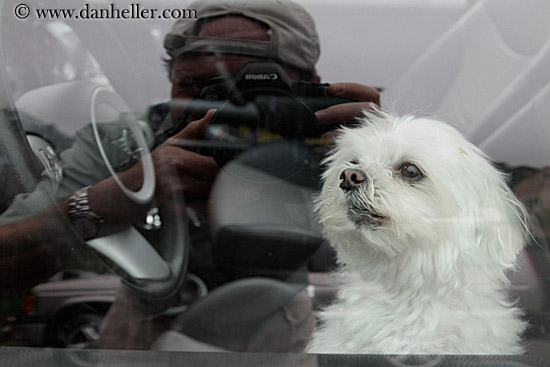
425	229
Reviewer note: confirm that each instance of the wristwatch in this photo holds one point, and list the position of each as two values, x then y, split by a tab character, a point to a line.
84	221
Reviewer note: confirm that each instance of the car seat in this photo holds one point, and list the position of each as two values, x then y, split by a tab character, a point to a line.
248	315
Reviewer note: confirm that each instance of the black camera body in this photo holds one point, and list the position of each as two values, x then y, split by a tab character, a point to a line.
258	105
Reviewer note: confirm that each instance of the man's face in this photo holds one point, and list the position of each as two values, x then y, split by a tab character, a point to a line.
192	70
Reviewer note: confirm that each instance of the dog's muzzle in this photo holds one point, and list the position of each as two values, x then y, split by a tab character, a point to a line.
354	181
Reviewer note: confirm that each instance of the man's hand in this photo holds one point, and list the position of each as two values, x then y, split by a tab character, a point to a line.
367	98
183	175
183	179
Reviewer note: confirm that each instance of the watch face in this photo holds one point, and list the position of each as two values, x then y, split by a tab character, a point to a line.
86	227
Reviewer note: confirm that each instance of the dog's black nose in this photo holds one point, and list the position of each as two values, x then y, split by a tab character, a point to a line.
351	178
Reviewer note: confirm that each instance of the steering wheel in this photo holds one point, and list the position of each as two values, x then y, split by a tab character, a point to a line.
154	273
129	253
101	97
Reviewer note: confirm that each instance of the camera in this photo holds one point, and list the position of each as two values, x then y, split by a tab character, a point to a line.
260	104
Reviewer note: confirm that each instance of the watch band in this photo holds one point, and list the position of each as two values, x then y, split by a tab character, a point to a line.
85	222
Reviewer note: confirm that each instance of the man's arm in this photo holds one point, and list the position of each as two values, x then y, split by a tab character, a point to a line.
35	248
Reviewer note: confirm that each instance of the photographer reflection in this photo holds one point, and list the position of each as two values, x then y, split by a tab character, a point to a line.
226	36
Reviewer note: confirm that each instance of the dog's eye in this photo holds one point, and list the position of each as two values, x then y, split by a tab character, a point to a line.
410	172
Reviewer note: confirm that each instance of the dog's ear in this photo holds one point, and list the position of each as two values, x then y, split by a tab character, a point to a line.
503	227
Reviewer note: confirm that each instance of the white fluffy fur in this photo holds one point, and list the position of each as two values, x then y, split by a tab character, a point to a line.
431	279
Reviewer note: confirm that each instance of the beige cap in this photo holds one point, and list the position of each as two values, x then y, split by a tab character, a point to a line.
293	37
